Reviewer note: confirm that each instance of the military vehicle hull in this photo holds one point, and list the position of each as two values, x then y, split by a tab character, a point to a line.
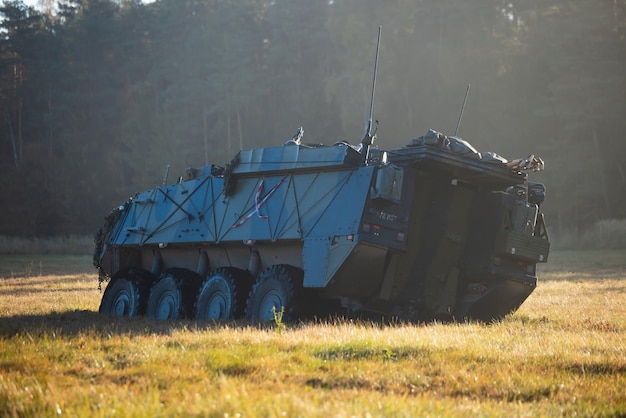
416	233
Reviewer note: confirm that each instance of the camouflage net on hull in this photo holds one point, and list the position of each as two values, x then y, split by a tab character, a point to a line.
101	239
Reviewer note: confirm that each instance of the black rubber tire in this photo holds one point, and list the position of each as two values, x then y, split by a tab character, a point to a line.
121	298
166	298
275	288
173	296
223	294
217	299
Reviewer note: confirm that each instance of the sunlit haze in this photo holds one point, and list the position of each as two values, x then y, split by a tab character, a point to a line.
35	3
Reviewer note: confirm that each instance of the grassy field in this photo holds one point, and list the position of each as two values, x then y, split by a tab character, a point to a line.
562	353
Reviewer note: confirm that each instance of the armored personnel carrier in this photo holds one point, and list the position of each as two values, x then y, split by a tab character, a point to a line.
433	230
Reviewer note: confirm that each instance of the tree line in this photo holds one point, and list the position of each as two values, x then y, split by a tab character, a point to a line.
97	97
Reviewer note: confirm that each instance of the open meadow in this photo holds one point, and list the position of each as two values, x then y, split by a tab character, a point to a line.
562	353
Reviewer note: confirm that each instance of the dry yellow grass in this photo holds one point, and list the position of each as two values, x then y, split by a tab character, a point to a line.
562	353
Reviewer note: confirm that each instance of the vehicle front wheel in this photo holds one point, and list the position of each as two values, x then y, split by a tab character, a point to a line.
121	298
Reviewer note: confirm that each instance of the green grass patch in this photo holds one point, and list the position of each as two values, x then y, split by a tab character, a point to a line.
561	354
583	264
602	235
59	245
36	265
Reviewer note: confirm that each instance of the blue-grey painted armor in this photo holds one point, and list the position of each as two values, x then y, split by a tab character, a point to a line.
419	232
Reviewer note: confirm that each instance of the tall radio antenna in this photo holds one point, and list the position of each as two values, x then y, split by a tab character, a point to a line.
462	108
368	139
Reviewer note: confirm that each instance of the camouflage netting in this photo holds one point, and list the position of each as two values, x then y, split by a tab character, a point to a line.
461	147
102	238
229	180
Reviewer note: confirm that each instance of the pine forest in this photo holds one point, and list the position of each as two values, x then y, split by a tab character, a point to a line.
98	97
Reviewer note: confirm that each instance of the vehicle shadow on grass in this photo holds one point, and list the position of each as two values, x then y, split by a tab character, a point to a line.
71	323
85	322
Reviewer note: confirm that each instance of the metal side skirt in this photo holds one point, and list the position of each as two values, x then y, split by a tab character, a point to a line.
321	259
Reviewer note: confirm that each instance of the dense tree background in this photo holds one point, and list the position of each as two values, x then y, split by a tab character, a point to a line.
98	96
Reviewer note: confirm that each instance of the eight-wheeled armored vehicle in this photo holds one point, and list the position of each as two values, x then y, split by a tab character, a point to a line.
433	230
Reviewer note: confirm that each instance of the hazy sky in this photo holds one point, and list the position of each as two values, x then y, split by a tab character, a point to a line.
33	3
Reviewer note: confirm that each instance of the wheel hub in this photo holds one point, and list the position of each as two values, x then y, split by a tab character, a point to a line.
167	306
121	304
272	300
217	306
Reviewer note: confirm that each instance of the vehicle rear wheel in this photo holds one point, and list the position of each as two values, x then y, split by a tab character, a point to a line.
121	298
273	291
